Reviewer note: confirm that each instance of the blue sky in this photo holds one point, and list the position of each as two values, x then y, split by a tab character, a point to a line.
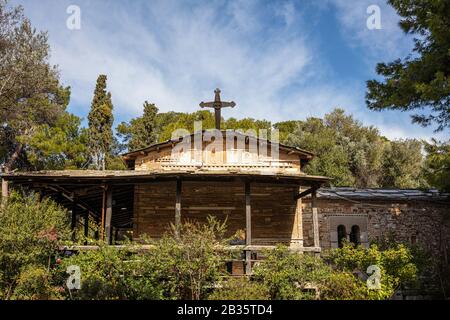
278	60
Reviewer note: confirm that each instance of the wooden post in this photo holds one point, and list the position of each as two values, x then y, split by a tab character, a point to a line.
297	229
86	226
73	224
248	229
102	222
5	192
315	219
108	215
178	208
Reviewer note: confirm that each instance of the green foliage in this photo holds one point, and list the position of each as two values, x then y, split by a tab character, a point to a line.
110	273
31	97
35	283
286	128
421	80
437	164
162	120
101	138
30	233
115	163
140	132
190	259
396	263
154	127
346	151
356	155
184	264
239	288
62	146
296	276
248	124
402	164
185	122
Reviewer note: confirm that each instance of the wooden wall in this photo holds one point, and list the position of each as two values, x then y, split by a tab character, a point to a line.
216	156
273	208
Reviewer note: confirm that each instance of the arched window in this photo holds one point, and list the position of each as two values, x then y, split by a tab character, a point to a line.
355	235
342	234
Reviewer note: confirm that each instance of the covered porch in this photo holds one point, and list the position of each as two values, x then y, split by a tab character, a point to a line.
267	208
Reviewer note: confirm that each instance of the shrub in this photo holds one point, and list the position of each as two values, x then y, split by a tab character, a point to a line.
396	265
30	233
240	288
190	260
182	265
35	283
295	276
109	273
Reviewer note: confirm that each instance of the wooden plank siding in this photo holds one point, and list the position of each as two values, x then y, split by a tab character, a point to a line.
273	208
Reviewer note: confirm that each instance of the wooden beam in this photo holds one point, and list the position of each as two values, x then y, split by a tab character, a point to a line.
306	192
315	218
108	215
70	196
178	208
248	228
227	248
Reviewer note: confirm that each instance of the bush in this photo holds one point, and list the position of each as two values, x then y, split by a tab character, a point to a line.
240	288
30	233
109	273
35	283
190	260
396	265
101	273
341	285
295	276
182	265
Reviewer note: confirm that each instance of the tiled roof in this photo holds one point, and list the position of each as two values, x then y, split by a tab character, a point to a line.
381	194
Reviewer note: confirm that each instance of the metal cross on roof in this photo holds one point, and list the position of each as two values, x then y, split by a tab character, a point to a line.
217	105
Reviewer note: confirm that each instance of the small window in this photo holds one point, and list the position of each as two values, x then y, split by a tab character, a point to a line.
355	235
342	234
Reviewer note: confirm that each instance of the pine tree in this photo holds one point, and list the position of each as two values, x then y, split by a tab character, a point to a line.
421	81
142	131
100	124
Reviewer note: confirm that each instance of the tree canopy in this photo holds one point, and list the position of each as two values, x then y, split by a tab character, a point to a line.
422	79
141	131
353	154
31	96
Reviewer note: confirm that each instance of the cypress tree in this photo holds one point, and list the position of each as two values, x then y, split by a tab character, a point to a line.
100	120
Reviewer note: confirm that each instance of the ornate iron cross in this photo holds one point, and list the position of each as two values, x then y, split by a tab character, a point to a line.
217	105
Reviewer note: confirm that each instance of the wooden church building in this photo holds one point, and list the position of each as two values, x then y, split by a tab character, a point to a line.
258	185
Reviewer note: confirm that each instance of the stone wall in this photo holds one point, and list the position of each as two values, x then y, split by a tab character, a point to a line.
412	221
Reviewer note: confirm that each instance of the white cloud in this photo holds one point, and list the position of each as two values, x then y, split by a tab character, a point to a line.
388	42
287	11
176	60
176	53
